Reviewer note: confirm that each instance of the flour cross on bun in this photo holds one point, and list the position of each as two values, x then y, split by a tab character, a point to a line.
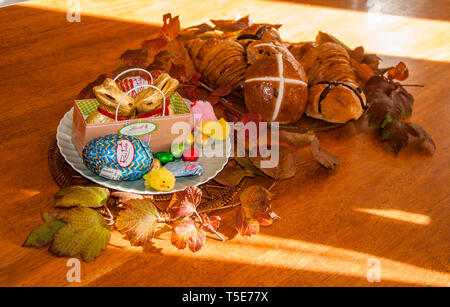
275	84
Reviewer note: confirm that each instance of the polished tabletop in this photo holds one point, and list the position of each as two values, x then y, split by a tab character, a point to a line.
374	209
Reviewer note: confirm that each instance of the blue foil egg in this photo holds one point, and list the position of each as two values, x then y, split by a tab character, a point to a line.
118	157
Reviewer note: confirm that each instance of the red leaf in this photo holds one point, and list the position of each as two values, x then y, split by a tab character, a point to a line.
399	72
210	223
155	46
185	232
246	226
171	27
192	93
184	203
178	72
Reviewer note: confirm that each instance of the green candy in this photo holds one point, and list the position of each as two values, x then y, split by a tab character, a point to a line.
177	150
164	157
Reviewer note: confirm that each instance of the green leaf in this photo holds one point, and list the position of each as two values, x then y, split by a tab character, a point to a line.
92	197
86	233
138	221
44	234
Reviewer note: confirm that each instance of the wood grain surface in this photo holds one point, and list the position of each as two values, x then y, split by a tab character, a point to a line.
394	209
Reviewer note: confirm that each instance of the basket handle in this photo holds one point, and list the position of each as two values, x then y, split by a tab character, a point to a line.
138	87
133	69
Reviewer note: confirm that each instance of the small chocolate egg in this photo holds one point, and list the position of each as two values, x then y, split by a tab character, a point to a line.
164	157
177	150
191	154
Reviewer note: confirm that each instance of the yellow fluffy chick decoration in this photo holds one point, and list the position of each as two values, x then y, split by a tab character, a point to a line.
160	179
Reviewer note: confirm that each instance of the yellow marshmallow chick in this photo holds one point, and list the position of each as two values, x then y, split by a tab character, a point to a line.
217	130
160	179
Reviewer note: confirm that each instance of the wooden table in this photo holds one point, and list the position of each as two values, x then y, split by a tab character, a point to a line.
394	209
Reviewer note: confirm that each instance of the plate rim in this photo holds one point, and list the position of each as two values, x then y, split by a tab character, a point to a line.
104	182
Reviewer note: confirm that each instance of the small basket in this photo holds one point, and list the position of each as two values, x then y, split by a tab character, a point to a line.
156	131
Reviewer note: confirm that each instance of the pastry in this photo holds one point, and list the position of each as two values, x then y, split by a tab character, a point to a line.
275	83
334	94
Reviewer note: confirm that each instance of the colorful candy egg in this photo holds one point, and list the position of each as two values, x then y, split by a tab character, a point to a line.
118	157
191	154
164	157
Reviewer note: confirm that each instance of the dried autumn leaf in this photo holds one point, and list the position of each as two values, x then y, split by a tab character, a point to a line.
322	156
285	165
232	174
44	234
323	37
357	54
210	223
171	27
399	72
372	60
136	57
92	197
232	25
296	138
247	164
138	221
124	197
184	203
199	29
387	101
214	96
86	233
154	46
255	210
421	137
185	232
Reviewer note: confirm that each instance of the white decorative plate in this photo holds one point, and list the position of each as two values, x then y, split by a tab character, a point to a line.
211	165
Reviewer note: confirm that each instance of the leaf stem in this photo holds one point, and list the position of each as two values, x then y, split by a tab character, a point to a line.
201	221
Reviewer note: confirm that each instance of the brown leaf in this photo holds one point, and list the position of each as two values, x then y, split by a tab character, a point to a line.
419	136
357	54
136	57
322	156
286	166
231	25
232	174
296	138
124	197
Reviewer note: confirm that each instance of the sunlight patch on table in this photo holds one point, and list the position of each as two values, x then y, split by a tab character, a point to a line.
392	35
399	215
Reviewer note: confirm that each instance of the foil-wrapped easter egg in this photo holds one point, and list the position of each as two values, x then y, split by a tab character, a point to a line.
118	157
164	157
